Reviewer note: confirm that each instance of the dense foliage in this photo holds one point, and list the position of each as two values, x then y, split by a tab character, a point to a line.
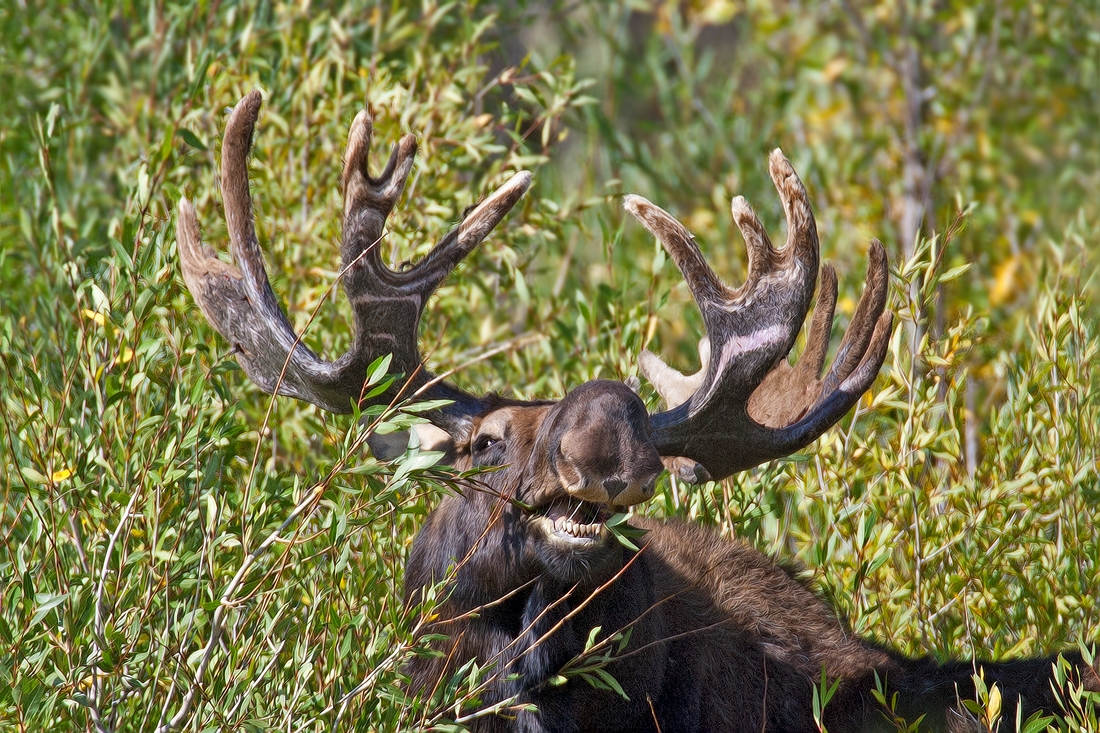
178	548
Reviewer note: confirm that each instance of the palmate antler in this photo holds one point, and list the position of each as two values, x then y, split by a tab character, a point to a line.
747	405
387	304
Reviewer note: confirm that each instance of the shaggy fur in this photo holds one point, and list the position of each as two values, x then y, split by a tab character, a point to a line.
721	637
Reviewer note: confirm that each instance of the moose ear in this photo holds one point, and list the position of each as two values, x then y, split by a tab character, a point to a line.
424	436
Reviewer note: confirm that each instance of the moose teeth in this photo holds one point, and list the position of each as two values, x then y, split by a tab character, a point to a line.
576	529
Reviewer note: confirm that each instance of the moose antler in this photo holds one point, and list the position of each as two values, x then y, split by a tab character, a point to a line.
747	405
387	304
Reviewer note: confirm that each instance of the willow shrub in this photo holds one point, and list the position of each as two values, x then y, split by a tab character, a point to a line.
180	549
177	548
916	545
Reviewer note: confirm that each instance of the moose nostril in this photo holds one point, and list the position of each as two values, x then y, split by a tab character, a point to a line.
613	486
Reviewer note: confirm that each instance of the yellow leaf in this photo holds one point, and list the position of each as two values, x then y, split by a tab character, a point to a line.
701	220
717	12
835	68
62	474
664	20
993	708
1004	282
650	329
93	316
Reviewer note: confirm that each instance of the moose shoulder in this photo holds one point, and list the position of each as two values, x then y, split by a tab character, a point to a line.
715	635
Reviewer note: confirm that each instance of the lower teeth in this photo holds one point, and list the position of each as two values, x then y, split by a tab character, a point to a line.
577	530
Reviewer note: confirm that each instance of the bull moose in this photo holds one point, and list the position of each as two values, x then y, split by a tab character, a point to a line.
712	635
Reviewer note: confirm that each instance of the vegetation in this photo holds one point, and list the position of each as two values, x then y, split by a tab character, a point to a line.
178	548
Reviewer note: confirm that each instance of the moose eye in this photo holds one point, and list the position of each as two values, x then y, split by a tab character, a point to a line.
485	442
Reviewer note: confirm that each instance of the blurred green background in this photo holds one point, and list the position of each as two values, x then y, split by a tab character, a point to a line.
154	568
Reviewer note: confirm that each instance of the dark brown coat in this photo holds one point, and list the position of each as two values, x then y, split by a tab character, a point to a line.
721	636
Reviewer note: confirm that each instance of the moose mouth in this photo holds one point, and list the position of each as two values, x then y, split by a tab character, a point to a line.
572	523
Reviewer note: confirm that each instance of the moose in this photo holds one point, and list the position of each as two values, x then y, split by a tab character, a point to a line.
712	635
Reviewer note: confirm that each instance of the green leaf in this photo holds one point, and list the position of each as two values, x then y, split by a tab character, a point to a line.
32	475
623	532
46	603
611	682
378	369
592	634
191	138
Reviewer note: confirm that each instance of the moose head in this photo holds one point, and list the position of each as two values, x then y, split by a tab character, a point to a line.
720	637
597	449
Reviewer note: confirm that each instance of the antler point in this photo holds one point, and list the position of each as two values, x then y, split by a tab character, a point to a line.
644	211
739	205
362	125
249	105
359	136
522	178
782	172
187	233
876	255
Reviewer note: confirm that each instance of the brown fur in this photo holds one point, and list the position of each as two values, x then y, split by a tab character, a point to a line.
721	637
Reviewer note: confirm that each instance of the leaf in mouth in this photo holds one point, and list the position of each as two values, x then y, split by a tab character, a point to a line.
623	532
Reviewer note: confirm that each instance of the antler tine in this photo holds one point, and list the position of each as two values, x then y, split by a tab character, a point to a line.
368	201
475	226
817	341
236	145
705	286
674	387
864	320
749	405
238	300
387	304
802	242
756	325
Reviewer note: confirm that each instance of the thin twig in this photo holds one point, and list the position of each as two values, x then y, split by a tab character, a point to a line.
226	602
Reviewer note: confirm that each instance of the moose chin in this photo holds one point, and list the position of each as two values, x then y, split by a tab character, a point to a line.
702	633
